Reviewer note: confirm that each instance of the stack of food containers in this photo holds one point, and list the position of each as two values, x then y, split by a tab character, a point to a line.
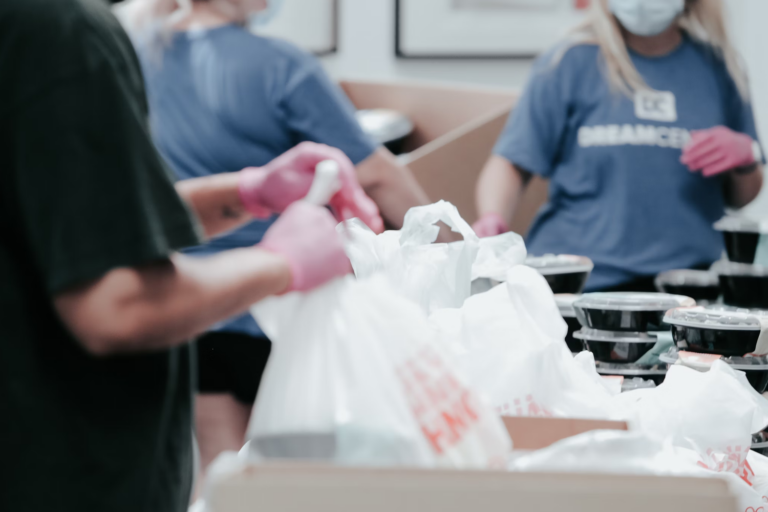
744	275
738	337
566	274
623	330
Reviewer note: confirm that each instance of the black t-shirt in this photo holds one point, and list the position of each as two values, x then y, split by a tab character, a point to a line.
82	191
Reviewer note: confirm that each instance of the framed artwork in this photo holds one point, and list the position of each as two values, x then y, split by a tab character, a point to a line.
310	24
458	29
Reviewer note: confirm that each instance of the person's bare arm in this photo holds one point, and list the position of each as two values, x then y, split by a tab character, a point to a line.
391	185
216	202
741	189
500	188
164	304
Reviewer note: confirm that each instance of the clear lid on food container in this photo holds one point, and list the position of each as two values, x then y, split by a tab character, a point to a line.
565	302
688	277
716	317
732	268
704	361
588	334
630	369
632	301
383	124
551	264
741	225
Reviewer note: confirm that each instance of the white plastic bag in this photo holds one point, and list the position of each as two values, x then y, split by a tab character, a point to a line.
433	275
355	377
712	414
609	451
497	255
509	342
634	453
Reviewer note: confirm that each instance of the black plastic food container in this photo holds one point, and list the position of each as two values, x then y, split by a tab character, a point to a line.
741	237
700	285
574	345
564	273
745	291
627	311
715	341
565	305
616	347
715	330
741	247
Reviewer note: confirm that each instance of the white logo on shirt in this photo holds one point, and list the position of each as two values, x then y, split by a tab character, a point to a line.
656	106
633	135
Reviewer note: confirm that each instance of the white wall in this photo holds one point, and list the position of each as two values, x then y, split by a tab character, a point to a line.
749	19
367	51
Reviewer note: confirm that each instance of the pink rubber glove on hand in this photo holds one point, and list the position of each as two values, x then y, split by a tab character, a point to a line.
306	236
286	179
490	224
718	150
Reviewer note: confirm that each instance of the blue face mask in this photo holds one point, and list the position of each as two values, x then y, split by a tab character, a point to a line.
264	16
646	17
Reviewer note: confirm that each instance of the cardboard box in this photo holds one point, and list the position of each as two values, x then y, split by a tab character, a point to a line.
455	129
305	488
537	433
322	488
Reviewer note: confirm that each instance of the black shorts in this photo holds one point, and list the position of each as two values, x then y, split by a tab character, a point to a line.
233	363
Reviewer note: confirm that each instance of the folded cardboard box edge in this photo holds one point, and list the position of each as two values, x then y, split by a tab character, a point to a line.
532	433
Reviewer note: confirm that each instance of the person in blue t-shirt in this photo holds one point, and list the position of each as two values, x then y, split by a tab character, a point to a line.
222	98
646	134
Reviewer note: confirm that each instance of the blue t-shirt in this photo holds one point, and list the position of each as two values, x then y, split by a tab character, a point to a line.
223	99
618	192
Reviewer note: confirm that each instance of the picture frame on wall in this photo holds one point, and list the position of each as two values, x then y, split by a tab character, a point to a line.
310	24
490	29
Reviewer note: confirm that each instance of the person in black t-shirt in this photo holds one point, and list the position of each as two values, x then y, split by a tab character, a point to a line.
95	305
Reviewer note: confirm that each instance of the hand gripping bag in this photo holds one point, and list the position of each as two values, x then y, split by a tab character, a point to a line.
355	377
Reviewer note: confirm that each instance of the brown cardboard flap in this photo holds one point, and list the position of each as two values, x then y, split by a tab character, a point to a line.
537	433
434	109
294	488
449	167
455	129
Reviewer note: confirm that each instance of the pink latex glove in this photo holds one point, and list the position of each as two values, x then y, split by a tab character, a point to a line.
490	224
287	178
717	150
306	236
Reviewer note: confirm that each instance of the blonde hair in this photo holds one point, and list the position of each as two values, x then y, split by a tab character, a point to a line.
702	20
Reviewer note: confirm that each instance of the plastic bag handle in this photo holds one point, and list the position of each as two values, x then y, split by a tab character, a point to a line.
419	226
325	183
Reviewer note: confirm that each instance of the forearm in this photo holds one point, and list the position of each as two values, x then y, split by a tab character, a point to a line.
391	185
215	201
165	304
742	188
500	188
